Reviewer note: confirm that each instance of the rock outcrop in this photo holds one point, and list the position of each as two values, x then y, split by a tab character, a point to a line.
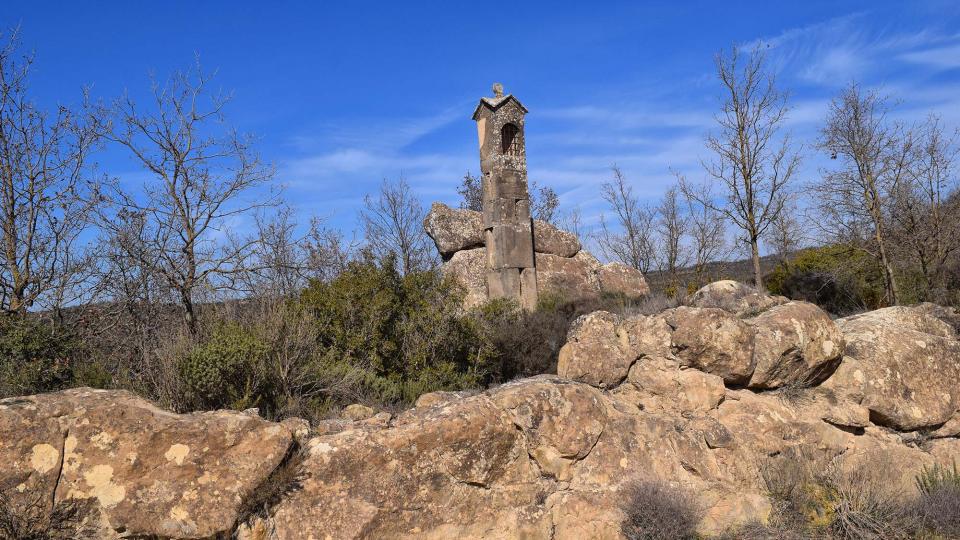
903	364
547	457
563	267
148	471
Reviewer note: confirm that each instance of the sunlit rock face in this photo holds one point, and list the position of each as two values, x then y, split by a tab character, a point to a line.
563	267
636	398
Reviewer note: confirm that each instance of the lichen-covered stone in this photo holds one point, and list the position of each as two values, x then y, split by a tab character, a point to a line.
795	343
453	230
737	298
618	278
147	471
593	353
905	363
712	340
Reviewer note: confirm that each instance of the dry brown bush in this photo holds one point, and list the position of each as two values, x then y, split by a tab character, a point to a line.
655	510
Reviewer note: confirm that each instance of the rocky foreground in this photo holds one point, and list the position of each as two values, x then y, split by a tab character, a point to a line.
697	396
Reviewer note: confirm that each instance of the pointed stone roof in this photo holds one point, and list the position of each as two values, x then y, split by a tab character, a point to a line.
497	101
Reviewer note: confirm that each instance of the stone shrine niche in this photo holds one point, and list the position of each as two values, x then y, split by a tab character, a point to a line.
508	228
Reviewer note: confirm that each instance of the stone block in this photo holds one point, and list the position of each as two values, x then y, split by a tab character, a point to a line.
528	288
504	283
510	246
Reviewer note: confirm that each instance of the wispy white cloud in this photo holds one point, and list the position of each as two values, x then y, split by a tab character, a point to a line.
947	57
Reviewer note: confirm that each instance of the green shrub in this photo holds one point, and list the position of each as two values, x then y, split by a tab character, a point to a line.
839	278
223	370
938	477
35	356
392	337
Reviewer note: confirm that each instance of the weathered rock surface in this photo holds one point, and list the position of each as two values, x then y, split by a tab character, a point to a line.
904	364
619	278
563	268
712	340
541	458
795	343
593	353
576	276
468	268
456	229
453	230
146	471
738	298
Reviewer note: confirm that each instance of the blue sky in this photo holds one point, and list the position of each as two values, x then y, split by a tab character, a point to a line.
343	94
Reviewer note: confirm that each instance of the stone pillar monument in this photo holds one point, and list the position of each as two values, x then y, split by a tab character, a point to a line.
507	227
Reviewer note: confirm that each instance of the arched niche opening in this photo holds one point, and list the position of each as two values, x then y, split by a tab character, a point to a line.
511	140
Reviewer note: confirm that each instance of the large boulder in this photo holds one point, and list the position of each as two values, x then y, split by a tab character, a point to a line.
551	240
712	340
144	471
593	353
796	343
569	277
453	230
618	278
469	269
903	363
456	229
737	298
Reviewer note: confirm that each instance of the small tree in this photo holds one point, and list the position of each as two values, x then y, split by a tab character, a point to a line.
201	177
632	244
875	158
671	228
393	223
751	161
46	193
785	234
471	189
926	206
544	202
706	230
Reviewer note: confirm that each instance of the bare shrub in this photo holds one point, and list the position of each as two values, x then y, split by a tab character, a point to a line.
824	497
31	519
287	478
651	304
655	510
938	507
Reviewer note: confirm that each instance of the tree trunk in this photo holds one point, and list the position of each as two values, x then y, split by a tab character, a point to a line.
755	252
889	281
188	312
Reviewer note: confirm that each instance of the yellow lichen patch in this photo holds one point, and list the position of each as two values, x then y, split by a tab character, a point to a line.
44	457
71	460
179	513
177	452
70	444
100	480
102	440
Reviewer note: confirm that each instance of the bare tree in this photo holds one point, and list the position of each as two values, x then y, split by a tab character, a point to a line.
202	178
571	221
46	192
874	156
544	202
785	234
671	227
632	241
284	259
706	231
752	162
393	223
925	206
471	189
